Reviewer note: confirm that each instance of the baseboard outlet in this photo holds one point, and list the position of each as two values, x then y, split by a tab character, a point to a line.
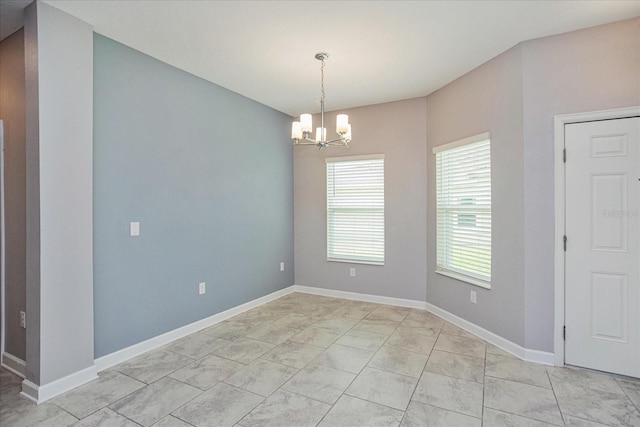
42	393
528	355
130	352
14	364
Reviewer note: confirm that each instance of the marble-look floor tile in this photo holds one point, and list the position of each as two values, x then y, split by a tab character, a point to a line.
350	412
344	358
388	312
152	366
97	394
492	349
461	345
43	415
294	354
273	334
633	394
423	320
320	383
399	361
456	365
509	368
450	393
170	421
286	409
494	418
261	377
450	329
339	325
318	337
155	401
411	339
362	339
352	311
382	327
220	406
596	405
196	346
421	415
294	320
383	387
105	418
207	372
570	421
583	378
229	329
525	400
258	316
244	350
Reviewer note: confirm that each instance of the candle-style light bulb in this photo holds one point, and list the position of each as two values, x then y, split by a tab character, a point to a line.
296	130
305	123
342	123
347	136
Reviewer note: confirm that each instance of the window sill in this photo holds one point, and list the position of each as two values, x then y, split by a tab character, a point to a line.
353	261
458	276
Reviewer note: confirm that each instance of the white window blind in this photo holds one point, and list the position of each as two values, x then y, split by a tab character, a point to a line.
463	204
355	209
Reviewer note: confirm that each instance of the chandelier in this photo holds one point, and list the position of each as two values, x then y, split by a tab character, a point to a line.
301	131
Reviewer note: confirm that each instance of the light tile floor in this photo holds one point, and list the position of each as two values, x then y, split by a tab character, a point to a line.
306	360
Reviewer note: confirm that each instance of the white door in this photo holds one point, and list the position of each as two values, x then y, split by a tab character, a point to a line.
602	283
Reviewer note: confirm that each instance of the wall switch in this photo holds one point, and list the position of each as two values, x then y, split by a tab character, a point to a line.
282	266
352	272
23	320
202	288
134	228
472	297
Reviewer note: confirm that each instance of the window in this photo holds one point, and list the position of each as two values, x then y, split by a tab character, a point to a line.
463	209
355	209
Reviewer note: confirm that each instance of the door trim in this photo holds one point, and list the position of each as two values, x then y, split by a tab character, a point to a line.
559	200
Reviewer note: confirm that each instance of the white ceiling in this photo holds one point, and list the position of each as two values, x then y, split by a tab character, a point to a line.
379	50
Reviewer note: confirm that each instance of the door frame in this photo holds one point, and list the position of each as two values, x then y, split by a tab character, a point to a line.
560	219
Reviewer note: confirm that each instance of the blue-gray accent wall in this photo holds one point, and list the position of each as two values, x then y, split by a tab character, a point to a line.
208	174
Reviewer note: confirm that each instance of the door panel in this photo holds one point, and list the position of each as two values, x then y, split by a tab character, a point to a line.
602	283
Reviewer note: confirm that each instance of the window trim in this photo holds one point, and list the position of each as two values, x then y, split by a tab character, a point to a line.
441	270
328	160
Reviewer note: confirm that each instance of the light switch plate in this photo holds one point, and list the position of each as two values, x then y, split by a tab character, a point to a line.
134	228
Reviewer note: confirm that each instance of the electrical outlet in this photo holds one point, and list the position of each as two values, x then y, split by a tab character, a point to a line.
23	320
352	272
202	288
134	229
472	297
282	266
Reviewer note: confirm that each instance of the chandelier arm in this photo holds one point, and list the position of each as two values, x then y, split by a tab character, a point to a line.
341	140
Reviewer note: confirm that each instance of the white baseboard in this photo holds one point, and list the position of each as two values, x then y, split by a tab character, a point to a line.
400	302
42	393
500	342
14	364
130	352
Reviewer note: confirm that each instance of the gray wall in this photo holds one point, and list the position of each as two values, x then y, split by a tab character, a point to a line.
59	81
587	70
207	173
12	112
515	96
397	130
487	99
